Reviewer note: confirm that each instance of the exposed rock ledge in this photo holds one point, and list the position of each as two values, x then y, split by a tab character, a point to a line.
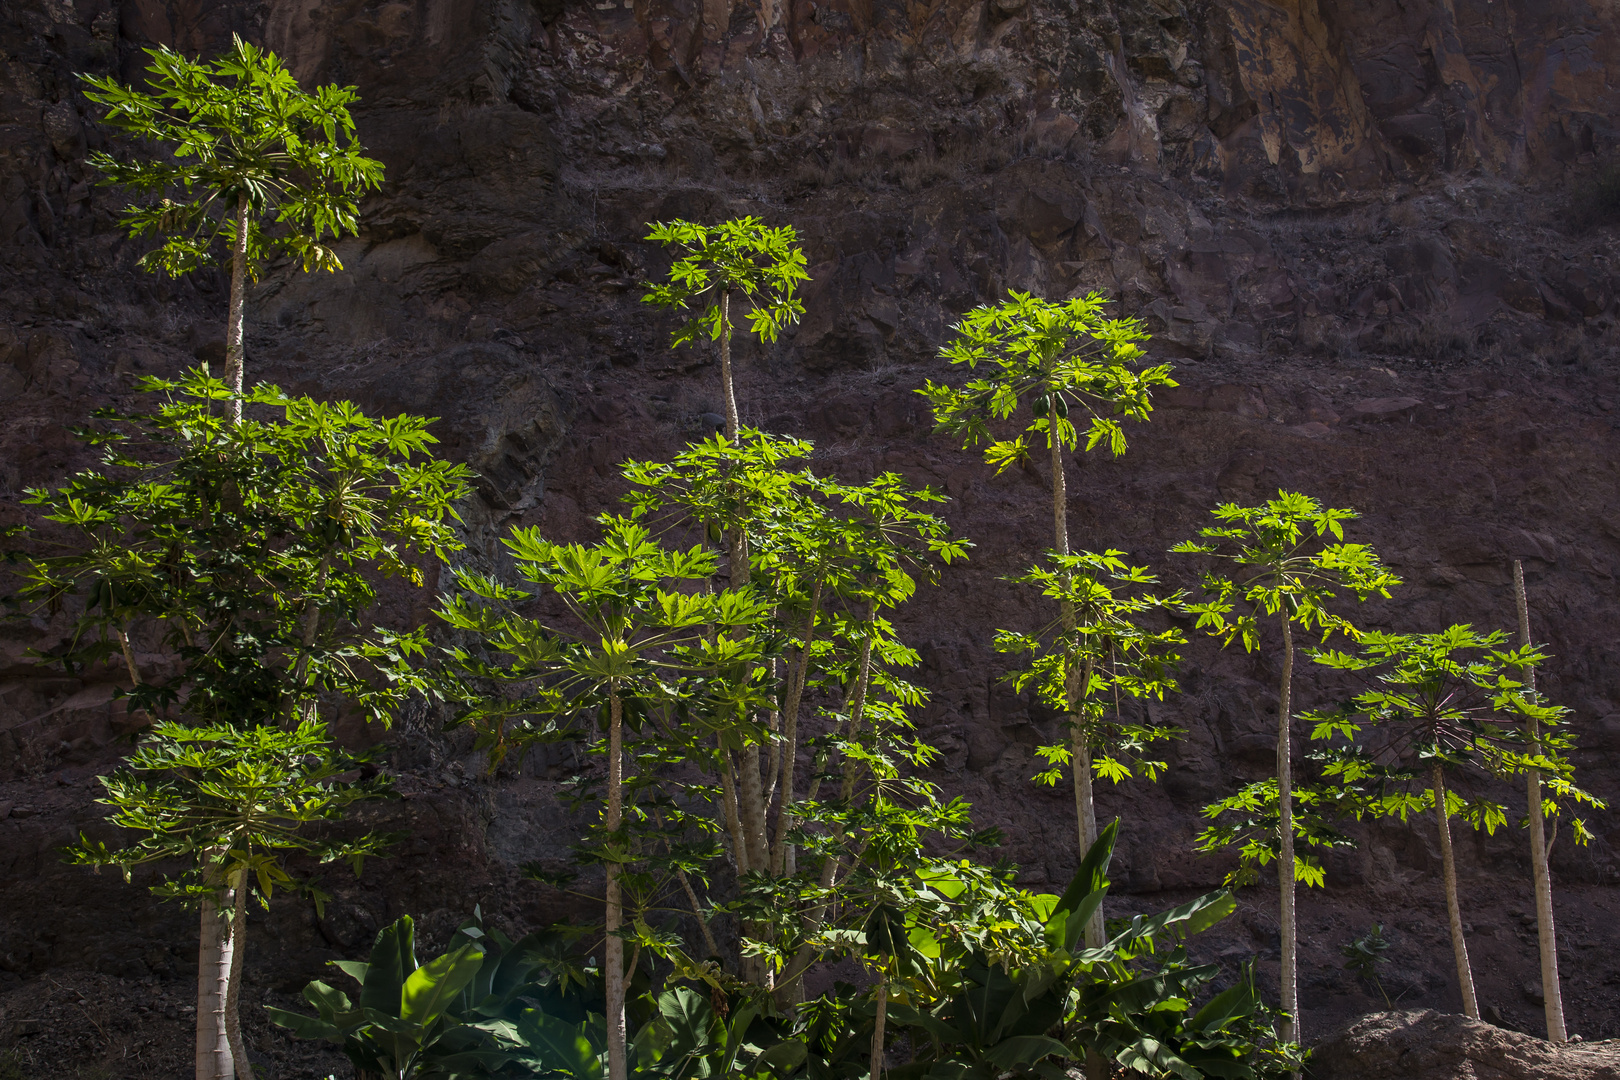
1428	1045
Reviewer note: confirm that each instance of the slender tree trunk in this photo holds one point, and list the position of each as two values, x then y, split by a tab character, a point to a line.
613	946
751	807
1285	842
857	715
1060	483
306	638
129	656
1540	872
727	388
880	1024
1085	804
728	796
1086	812
129	662
1448	864
233	994
697	911
1086	809
790	985
233	320
214	1060
780	853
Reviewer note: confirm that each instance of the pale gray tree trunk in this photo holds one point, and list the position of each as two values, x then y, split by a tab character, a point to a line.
728	789
781	850
214	1060
790	987
878	1027
613	946
1285	843
697	912
727	388
233	319
1085	804
1540	873
233	993
1448	868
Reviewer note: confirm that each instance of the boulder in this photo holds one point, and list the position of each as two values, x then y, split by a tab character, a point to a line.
1429	1045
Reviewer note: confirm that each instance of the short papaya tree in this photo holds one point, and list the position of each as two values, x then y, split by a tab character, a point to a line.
1434	705
230	568
230	804
630	632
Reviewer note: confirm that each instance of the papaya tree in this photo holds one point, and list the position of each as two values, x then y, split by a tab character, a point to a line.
1060	368
1285	572
1544	736
1082	670
252	164
1053	359
760	265
231	804
244	559
830	558
628	628
1435	705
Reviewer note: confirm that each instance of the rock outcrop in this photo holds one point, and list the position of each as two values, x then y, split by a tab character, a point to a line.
1429	1045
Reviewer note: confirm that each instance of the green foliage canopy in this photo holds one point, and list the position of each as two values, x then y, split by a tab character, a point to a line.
1457	699
237	128
746	256
229	800
252	549
1052	357
1106	651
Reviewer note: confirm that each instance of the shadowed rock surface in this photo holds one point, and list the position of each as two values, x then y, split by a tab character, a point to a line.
1428	1045
1371	236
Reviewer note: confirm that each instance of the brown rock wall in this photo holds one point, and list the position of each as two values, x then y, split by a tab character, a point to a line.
1344	222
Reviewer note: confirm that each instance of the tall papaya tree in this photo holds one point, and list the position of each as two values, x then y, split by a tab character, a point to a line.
1544	737
1285	572
743	258
1048	365
1435	705
253	165
1084	669
244	559
830	558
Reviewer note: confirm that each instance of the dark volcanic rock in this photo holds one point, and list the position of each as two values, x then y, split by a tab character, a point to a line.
1344	222
1429	1045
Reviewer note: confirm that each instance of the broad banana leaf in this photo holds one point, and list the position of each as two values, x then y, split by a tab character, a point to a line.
393	958
432	987
1023	1050
562	1047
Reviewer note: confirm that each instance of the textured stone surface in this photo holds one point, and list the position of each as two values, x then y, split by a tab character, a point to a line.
1428	1045
1346	223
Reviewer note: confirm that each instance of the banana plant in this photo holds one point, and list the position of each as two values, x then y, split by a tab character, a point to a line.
1029	998
405	1023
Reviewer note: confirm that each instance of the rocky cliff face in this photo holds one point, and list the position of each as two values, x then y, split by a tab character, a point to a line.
1354	227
